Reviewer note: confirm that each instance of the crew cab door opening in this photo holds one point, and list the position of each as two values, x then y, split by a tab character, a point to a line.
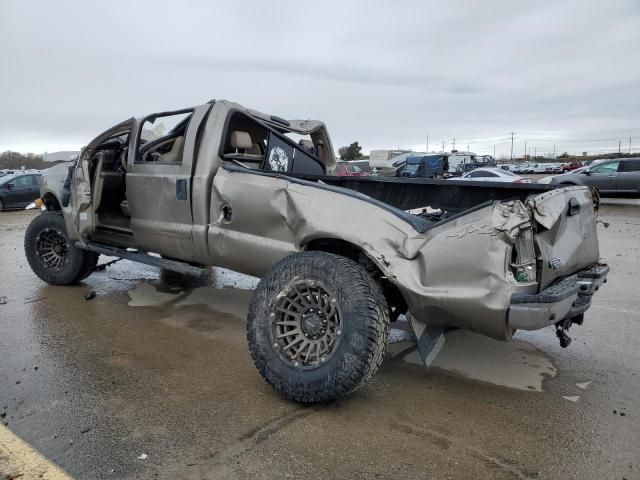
160	170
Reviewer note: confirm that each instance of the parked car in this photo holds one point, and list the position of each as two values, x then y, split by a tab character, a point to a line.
615	177
340	258
346	169
523	168
509	167
19	190
547	180
492	175
569	166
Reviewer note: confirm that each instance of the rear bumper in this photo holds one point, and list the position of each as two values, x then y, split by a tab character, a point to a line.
565	299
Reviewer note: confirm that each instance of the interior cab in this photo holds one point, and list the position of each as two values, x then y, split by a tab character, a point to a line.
272	145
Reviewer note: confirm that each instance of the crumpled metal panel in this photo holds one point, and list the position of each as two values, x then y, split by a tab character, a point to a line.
566	242
454	274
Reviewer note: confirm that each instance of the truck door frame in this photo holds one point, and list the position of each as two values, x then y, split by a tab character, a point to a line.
159	193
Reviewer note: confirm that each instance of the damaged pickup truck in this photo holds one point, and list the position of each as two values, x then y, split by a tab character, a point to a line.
340	258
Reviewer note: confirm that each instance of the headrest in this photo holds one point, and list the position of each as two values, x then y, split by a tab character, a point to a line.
241	140
306	143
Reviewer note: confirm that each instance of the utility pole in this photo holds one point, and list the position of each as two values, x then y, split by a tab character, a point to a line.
619	146
468	147
554	150
535	152
494	151
427	150
512	146
629	145
443	145
454	144
525	149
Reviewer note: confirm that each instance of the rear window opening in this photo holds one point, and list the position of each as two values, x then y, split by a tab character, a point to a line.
257	146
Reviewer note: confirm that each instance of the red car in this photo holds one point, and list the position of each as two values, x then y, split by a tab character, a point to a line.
568	167
346	169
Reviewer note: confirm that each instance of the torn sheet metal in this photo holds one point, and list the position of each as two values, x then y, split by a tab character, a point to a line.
452	280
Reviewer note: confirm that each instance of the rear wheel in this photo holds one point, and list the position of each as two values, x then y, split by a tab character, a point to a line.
52	256
317	326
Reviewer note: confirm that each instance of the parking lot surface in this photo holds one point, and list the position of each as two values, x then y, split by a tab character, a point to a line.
152	378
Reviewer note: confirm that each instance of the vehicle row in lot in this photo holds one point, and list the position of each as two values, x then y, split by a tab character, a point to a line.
535	168
618	176
492	175
19	189
348	169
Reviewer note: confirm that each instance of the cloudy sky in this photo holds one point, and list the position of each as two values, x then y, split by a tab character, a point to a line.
383	73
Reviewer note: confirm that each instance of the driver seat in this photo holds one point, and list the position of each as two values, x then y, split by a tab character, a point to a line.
175	154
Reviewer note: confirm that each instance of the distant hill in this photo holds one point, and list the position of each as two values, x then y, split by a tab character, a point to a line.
59	156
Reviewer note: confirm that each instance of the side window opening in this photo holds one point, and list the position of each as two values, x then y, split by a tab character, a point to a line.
22	182
606	168
631	165
162	138
260	147
245	140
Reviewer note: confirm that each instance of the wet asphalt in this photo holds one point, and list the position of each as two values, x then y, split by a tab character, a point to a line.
158	365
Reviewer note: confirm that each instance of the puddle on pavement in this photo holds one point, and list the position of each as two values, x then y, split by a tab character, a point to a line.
147	295
515	364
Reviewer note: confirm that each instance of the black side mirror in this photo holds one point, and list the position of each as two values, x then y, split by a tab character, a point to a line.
10	186
587	171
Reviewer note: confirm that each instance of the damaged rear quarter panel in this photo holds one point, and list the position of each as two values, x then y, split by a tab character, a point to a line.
453	274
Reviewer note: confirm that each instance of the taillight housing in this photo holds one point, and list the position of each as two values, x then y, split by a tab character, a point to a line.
523	257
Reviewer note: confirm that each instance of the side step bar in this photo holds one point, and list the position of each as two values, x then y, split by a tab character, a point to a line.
143	257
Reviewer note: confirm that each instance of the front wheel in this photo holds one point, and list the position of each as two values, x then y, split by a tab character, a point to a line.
52	256
317	326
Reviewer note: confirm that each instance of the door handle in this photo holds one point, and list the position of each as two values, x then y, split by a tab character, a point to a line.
181	189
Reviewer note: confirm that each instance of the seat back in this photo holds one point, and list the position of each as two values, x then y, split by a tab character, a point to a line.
174	155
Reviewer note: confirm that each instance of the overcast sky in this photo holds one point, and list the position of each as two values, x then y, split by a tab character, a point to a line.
383	73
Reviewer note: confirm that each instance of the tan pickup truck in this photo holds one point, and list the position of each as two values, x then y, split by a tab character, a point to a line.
340	258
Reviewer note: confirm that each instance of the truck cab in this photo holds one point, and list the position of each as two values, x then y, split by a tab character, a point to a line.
146	182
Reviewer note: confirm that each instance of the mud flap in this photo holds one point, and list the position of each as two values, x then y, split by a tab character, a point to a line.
429	338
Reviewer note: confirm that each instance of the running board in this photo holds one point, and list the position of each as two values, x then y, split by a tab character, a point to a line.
143	257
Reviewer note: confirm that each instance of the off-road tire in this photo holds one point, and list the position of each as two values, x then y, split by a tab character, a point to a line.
79	264
364	325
